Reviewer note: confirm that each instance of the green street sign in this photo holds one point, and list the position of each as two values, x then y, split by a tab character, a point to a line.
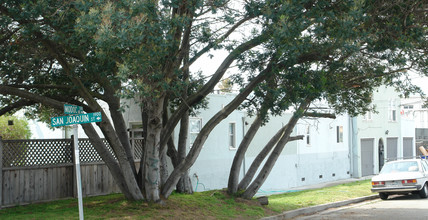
72	109
76	119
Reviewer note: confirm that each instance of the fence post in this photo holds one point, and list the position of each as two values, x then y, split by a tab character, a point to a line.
74	167
1	172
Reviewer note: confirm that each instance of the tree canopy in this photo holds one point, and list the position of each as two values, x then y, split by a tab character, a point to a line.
284	54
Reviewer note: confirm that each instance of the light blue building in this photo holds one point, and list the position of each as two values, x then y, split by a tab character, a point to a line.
332	149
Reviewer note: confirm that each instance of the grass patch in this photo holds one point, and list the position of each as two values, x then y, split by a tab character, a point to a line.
209	205
306	198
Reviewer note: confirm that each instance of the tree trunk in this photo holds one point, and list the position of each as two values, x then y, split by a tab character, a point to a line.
184	185
240	154
232	187
163	167
108	158
152	150
119	151
112	138
141	172
243	184
206	130
270	162
121	130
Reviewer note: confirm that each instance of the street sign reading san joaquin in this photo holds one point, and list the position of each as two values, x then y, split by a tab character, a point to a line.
76	119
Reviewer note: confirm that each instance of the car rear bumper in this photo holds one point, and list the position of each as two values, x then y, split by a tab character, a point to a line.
397	189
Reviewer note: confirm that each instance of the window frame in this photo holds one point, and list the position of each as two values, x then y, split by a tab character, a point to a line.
191	132
231	137
308	135
339	134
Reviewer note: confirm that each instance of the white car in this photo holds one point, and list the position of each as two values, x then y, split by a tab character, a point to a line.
402	177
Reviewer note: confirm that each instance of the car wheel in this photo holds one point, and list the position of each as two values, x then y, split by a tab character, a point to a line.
423	193
383	196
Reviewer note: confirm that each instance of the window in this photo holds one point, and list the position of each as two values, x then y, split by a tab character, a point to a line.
195	126
308	135
392	111
394	115
339	134
232	135
367	116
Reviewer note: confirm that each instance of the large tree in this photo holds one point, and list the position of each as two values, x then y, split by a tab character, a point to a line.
287	54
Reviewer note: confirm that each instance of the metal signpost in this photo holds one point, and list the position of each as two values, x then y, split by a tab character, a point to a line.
76	117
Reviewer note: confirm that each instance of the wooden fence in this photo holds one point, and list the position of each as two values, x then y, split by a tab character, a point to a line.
43	170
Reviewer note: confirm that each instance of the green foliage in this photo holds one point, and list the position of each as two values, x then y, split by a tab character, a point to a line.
339	51
18	130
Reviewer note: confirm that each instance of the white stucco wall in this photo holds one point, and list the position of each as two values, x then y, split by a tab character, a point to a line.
380	127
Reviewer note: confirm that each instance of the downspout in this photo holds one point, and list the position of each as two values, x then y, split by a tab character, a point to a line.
243	134
353	145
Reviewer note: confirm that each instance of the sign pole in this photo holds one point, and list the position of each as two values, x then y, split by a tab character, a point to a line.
75	117
78	178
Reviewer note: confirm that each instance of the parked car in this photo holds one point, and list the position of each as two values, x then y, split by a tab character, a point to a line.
402	177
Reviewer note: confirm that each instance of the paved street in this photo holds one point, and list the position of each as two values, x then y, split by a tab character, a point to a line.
396	207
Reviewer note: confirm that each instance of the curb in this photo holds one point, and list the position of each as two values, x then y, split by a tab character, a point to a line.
314	209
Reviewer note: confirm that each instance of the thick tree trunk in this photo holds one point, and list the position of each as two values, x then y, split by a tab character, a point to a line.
141	172
108	158
163	168
243	184
270	162
119	151
152	150
112	138
121	130
184	185
203	135
232	187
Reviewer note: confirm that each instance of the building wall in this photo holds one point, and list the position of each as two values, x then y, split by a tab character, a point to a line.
382	129
300	163
211	169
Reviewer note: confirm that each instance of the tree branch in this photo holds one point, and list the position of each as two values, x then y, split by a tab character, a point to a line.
208	87
295	138
222	38
8	90
319	115
16	106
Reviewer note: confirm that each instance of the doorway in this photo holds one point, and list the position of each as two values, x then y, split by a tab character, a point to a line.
381	154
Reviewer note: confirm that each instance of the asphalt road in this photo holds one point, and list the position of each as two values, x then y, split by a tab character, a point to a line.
396	207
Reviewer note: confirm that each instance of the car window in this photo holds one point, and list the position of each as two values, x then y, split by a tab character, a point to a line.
402	166
425	165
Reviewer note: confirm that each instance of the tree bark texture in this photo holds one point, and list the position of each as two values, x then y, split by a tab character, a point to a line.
152	150
240	154
246	180
114	141
184	185
206	130
270	162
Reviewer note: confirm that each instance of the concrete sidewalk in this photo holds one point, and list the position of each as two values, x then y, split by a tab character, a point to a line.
319	208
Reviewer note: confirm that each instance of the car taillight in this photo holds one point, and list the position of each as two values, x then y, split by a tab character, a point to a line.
412	181
378	183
